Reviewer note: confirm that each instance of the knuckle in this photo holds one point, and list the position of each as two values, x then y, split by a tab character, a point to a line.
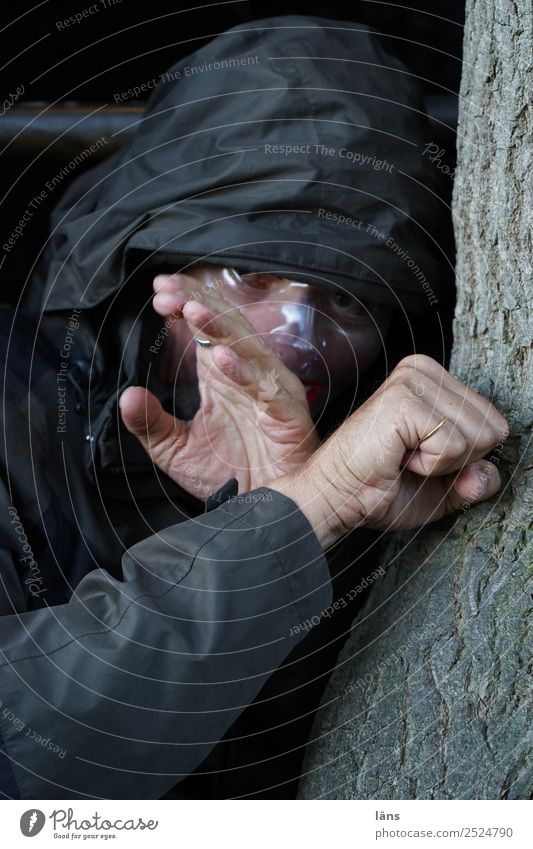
401	376
415	361
410	369
407	362
405	366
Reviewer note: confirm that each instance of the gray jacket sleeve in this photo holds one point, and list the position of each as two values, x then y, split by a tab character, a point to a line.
125	689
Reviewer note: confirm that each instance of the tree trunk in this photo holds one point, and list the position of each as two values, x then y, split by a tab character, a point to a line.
429	697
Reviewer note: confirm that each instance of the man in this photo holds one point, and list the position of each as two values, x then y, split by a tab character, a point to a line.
278	206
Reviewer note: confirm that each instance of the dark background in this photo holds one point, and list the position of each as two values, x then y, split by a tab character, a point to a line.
126	43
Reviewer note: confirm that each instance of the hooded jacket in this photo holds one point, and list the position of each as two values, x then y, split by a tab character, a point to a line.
133	633
296	142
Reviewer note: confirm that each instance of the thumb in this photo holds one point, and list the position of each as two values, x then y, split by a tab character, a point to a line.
476	482
160	434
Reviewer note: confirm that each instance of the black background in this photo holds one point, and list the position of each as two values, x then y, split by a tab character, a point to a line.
126	43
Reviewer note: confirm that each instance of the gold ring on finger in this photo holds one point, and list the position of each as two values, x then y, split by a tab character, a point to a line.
432	431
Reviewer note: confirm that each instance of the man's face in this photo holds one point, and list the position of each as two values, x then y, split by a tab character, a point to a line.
328	338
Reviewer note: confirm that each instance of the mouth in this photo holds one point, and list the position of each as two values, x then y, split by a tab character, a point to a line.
313	390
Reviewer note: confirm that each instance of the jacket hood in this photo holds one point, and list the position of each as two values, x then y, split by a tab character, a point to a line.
292	144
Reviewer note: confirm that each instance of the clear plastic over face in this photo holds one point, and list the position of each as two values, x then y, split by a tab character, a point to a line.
328	338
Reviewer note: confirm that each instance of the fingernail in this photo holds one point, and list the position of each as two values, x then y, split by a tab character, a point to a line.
169	300
482	482
159	281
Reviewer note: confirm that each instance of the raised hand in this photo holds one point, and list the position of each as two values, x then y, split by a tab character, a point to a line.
382	470
253	423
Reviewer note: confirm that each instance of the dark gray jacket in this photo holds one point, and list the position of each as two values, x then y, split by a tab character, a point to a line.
135	630
119	673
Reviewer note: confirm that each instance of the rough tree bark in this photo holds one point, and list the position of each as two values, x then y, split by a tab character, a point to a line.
430	696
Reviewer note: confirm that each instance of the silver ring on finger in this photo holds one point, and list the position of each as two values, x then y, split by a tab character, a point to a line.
202	343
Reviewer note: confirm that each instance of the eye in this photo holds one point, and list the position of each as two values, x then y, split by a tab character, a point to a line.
347	306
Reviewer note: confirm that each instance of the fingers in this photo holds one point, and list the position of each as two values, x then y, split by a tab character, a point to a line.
262	386
461	435
160	434
455	443
249	362
386	474
466	425
427	501
432	454
234	368
172	291
206	310
226	327
476	482
430	382
210	315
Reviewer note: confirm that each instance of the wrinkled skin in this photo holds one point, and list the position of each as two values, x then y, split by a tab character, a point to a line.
254	421
377	469
380	471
